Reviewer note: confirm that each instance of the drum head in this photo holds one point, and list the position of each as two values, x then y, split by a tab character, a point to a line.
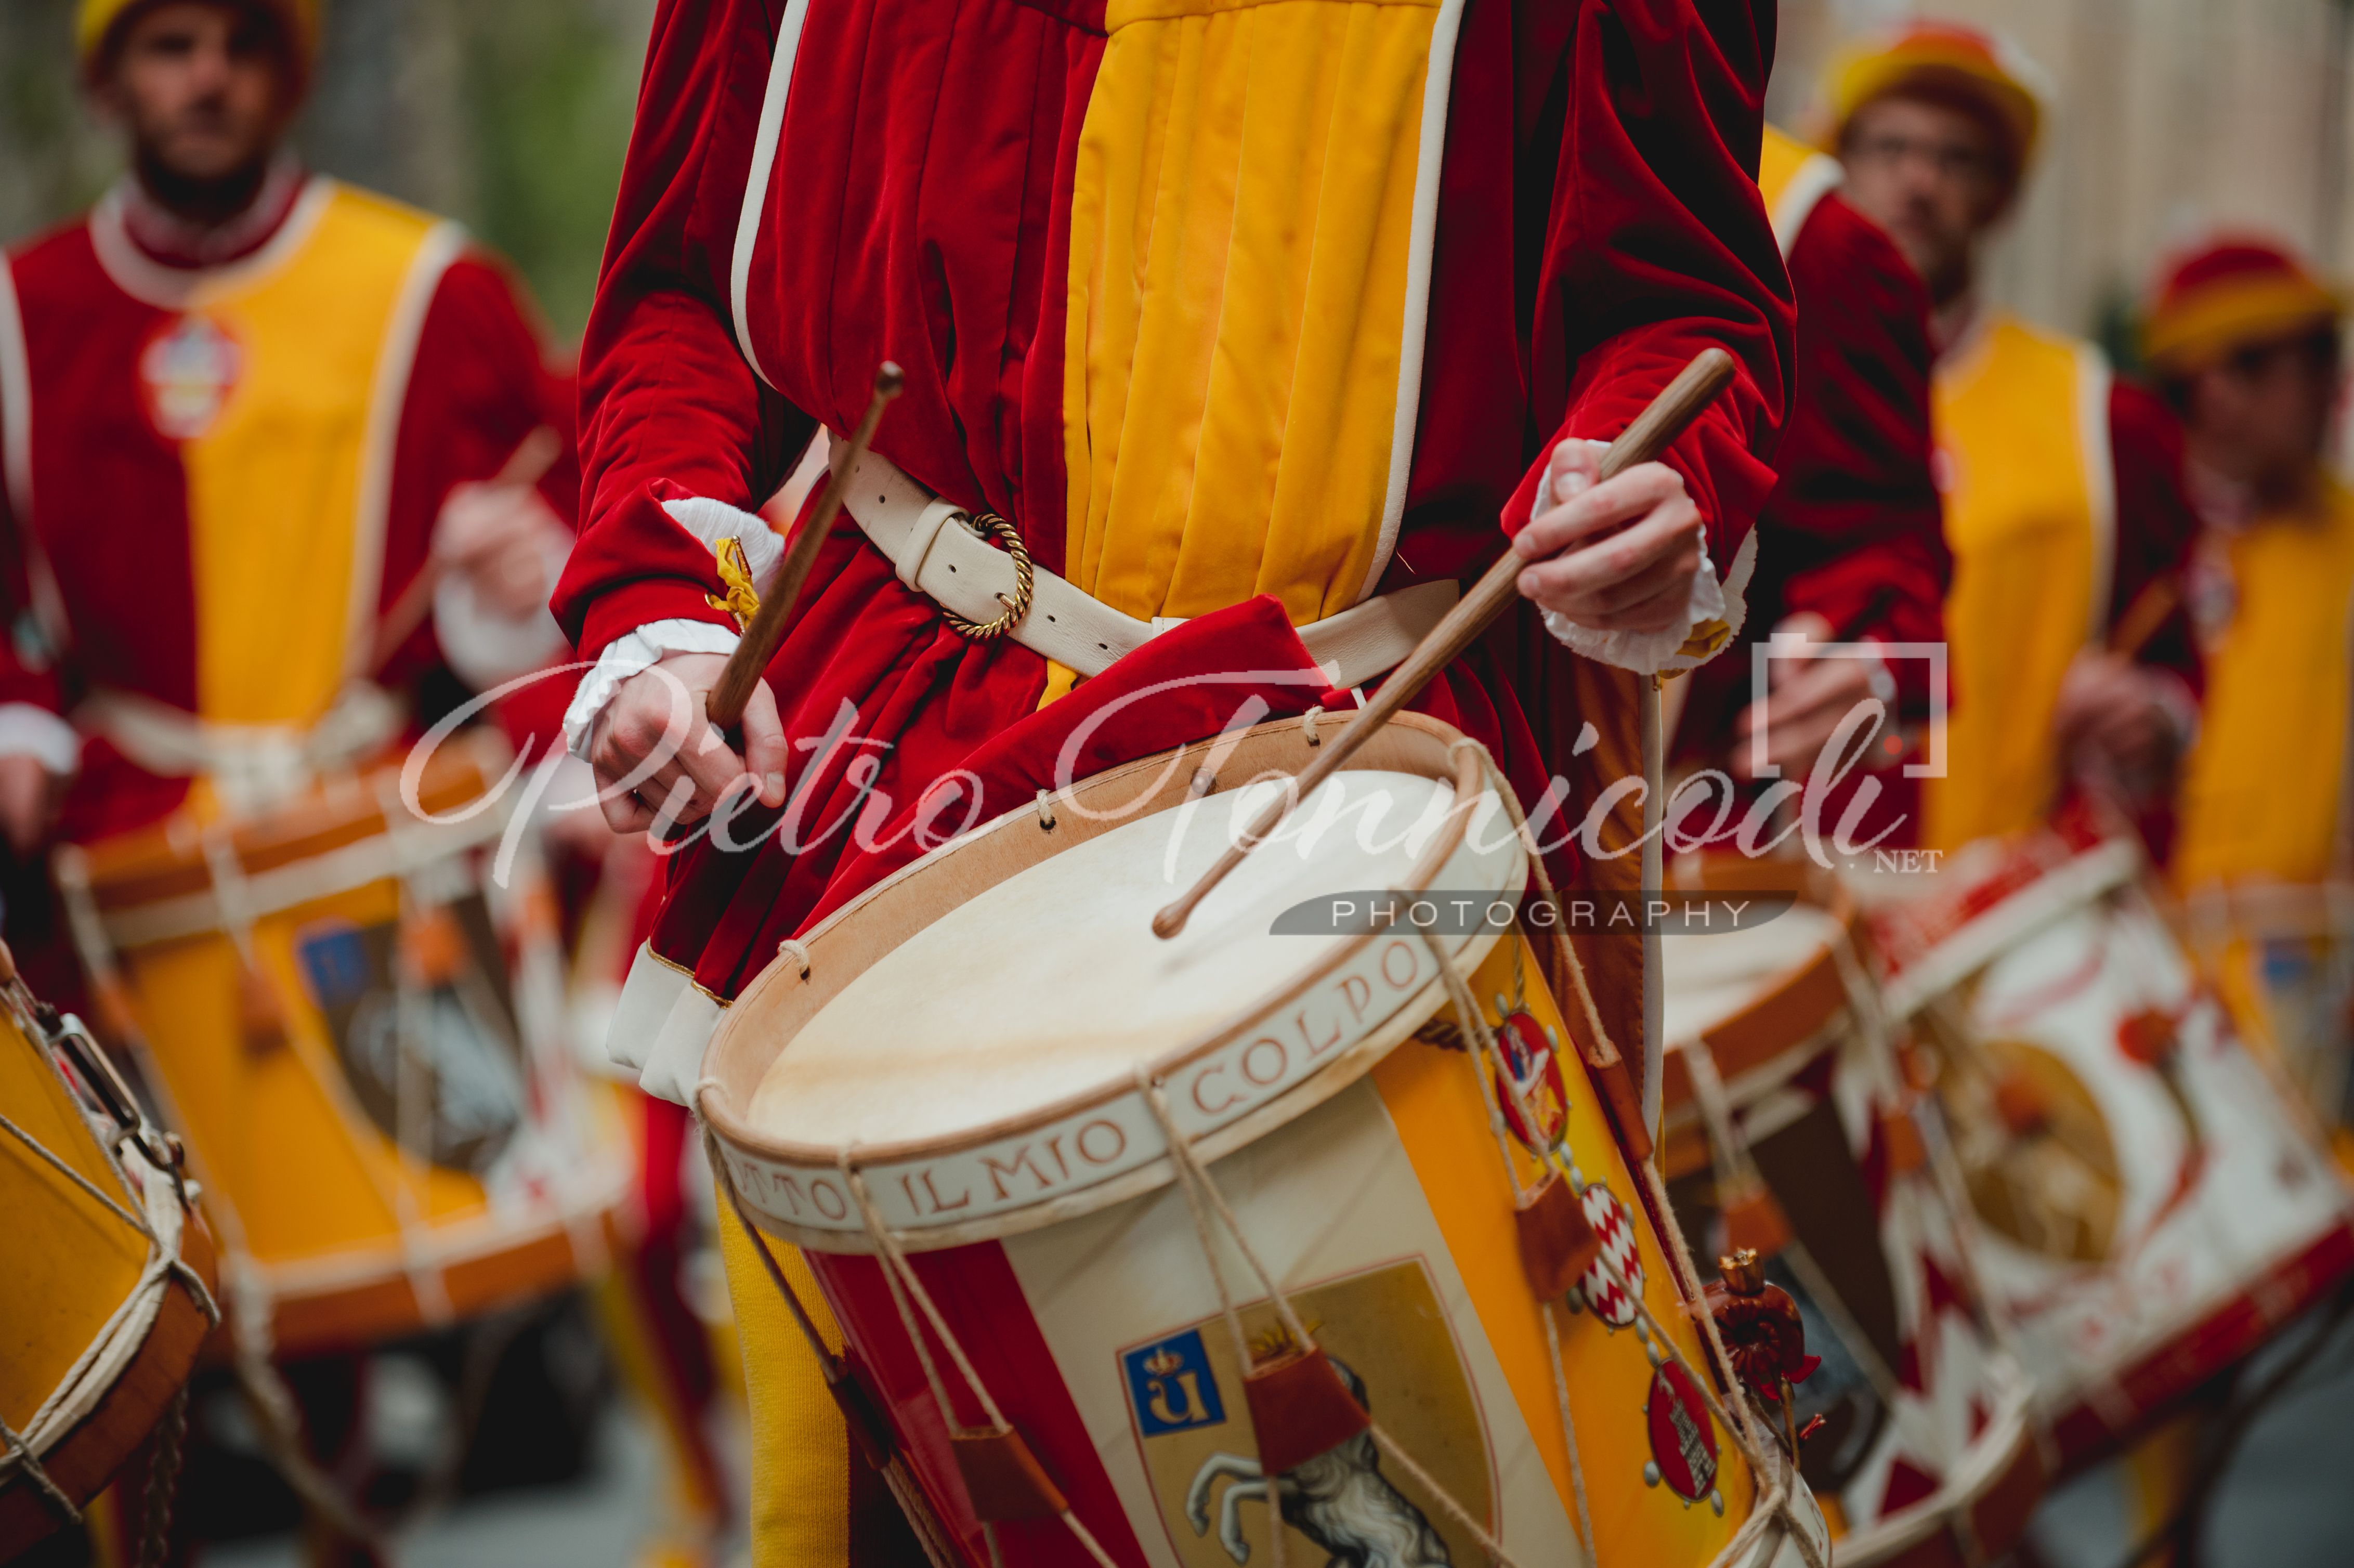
1051	983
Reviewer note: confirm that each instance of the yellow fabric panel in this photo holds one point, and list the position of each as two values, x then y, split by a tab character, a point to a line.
800	1449
1778	163
2263	788
1241	235
2019	518
70	1264
274	485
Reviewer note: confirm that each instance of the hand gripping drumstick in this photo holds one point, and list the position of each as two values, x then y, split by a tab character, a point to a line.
726	703
1674	408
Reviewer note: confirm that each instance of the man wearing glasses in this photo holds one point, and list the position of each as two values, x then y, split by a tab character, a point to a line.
2071	657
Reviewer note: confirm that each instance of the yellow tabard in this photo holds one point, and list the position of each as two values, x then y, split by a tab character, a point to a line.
2262	790
2021	422
289	482
1250	227
1792	178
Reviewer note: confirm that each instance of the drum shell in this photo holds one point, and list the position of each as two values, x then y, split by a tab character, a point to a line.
2281	957
350	1239
71	1268
1379	1190
1938	1433
2207	1214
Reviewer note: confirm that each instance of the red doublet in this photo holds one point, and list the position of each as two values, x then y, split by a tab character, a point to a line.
1598	225
110	497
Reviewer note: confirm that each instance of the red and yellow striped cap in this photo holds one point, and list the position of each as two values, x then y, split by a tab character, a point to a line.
95	26
1944	59
2231	291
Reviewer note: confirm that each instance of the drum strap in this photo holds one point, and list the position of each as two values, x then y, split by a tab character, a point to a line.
937	549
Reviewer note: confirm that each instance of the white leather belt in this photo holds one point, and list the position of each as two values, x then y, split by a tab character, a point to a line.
939	554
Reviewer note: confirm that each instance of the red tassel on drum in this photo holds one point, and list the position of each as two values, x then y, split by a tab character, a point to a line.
1003	1478
1557	1241
1300	1408
1755	1222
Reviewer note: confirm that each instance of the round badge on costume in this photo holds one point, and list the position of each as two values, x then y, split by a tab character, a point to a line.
187	372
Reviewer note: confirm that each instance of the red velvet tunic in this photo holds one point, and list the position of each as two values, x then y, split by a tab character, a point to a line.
1598	224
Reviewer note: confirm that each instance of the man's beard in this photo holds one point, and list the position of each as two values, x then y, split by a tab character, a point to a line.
207	201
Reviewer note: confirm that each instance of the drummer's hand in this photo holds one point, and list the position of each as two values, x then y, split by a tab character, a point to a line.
1619	555
29	799
653	732
498	535
1809	699
2113	713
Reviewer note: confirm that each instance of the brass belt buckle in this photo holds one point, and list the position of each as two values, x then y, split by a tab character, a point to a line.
986	525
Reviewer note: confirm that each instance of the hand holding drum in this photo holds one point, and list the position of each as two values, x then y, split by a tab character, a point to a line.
1669	415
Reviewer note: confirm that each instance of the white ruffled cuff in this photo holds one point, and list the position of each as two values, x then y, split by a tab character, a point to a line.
27	730
1712	617
633	654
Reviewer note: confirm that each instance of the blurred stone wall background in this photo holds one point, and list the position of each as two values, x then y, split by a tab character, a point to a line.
512	116
2173	117
509	115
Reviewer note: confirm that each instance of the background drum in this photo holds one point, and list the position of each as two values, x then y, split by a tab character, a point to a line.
110	1276
1084	1146
2282	958
358	1030
1791	1130
2151	1205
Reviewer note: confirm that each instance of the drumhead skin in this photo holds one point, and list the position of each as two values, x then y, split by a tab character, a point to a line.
1872	1255
1336	1109
2151	1203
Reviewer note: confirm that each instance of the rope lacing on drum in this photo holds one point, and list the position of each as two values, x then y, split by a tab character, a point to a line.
1195	1179
902	1279
1765	1456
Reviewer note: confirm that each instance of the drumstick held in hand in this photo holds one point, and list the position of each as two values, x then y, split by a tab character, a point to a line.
1674	408
527	464
725	703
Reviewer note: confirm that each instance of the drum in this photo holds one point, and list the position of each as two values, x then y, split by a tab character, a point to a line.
1146	1252
2282	958
110	1273
1791	1130
2150	1203
353	1010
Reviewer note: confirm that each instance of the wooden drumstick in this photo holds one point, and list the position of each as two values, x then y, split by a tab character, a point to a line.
1673	410
2158	598
725	703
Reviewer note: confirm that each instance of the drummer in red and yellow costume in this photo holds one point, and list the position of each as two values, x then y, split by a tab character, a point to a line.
1852	546
1246	317
241	406
2244	338
2062	498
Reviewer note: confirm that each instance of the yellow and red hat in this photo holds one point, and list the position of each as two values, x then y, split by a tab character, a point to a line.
1943	59
96	23
2231	291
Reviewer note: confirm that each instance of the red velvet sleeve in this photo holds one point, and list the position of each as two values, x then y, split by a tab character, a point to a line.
672	408
1656	244
2156	525
1854	531
482	382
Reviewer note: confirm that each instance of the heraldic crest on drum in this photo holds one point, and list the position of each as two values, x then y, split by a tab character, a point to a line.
1387	1336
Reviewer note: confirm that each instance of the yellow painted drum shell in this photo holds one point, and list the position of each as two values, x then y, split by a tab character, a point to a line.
374	1195
72	1266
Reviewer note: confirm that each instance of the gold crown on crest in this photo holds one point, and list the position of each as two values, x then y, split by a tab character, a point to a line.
1164	1361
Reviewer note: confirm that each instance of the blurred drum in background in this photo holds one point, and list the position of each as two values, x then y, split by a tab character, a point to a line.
2152	1202
1147	1253
2282	958
1792	1132
356	1019
110	1275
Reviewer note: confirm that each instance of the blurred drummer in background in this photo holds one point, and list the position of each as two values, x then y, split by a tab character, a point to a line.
2063	504
1852	547
289	471
2244	339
